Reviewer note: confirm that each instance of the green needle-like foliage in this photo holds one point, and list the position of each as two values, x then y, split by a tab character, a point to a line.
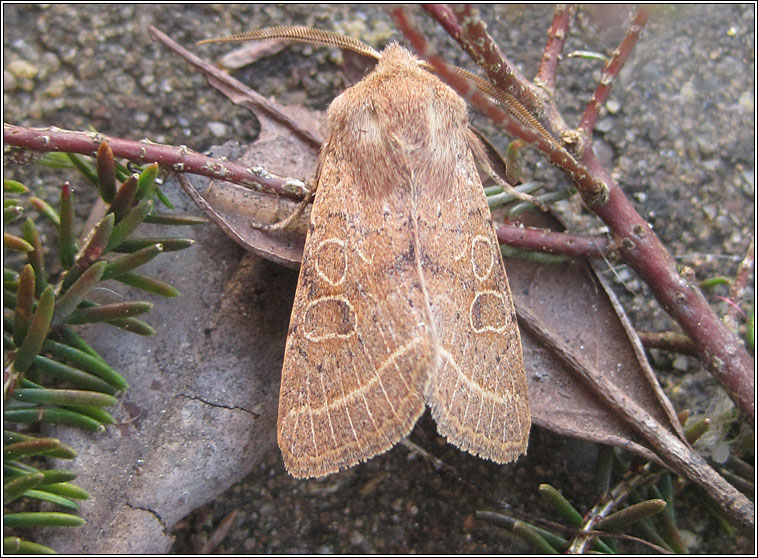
39	325
42	519
124	197
16	243
24	305
86	362
106	172
30	234
76	293
619	508
561	505
623	518
132	261
526	532
46	209
146	182
67	237
16	545
14	187
52	374
131	221
17	486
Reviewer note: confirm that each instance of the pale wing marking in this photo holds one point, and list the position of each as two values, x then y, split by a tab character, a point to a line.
349	398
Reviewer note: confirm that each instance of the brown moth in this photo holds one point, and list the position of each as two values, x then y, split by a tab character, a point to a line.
402	299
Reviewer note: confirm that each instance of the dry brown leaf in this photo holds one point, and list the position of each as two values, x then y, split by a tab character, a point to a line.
578	309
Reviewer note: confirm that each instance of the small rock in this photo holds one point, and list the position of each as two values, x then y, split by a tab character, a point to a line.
688	92
87	69
746	102
9	81
604	125
681	363
22	69
56	88
218	129
356	538
48	64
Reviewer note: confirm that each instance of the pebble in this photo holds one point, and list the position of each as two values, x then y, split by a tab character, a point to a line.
356	538
681	363
604	125
49	64
22	69
9	81
218	129
56	88
291	534
613	106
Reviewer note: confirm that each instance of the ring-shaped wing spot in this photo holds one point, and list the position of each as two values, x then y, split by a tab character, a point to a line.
329	317
482	258
331	250
488	312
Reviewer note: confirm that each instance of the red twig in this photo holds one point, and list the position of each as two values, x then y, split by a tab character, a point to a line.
611	70
737	290
718	348
178	159
446	18
556	38
485	52
677	455
668	341
552	242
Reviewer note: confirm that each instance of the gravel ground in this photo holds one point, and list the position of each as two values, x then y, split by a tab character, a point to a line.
679	134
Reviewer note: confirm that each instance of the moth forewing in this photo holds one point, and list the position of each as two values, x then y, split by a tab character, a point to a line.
402	299
478	391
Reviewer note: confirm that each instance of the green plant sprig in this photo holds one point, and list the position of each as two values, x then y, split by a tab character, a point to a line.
52	375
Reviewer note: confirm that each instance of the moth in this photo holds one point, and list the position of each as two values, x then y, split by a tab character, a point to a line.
402	300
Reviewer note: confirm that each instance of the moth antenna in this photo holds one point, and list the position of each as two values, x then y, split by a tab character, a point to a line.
308	35
503	98
300	34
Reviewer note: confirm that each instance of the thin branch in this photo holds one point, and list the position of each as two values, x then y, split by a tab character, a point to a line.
445	17
737	290
668	341
507	522
611	501
556	38
552	242
481	47
611	70
178	159
718	347
593	191
486	54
